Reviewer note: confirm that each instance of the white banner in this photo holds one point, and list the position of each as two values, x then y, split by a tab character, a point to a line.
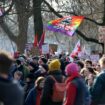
45	49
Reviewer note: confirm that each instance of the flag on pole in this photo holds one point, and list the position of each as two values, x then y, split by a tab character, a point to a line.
77	50
35	41
41	42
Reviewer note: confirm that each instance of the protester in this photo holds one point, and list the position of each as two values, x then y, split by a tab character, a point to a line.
88	63
42	60
54	70
98	89
11	93
76	91
33	97
80	65
17	76
84	73
42	71
29	83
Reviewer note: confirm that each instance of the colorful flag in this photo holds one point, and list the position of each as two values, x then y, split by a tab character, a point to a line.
42	40
35	41
66	25
76	50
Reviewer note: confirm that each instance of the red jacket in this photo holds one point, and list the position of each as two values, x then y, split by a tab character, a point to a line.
70	90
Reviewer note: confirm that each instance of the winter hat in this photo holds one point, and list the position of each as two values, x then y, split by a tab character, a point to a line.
21	59
71	68
54	65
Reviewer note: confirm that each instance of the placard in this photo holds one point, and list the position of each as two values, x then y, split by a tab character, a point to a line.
45	49
35	51
94	58
53	47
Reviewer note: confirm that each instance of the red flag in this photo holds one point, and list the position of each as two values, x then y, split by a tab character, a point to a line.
35	40
42	40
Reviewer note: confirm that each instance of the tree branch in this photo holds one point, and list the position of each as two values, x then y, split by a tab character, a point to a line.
9	9
52	9
60	16
6	29
77	31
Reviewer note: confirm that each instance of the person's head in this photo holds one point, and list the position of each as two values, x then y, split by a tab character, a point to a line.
71	69
84	72
17	75
102	63
98	68
30	78
35	60
80	65
92	70
42	60
88	63
54	65
18	62
22	60
39	83
30	66
6	61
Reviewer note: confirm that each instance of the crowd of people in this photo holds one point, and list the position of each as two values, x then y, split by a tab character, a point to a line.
39	80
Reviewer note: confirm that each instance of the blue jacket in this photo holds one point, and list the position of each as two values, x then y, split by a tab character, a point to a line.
98	89
31	97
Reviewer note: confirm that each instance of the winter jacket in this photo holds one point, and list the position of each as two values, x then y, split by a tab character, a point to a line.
28	87
48	88
98	90
76	91
33	98
11	93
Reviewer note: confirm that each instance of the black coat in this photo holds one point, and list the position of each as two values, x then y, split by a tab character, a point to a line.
48	88
11	92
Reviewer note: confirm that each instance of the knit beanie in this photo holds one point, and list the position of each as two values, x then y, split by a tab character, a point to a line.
71	68
54	65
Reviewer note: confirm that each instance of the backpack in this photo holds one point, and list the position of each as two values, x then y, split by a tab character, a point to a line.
58	90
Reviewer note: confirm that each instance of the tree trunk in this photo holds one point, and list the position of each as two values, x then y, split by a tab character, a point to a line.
22	24
38	24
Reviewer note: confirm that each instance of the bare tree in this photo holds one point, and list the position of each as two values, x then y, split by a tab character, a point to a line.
20	6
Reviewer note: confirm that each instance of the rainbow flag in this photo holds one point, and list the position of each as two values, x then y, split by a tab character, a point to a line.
66	25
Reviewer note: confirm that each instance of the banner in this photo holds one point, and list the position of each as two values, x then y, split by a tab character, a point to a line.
66	25
45	49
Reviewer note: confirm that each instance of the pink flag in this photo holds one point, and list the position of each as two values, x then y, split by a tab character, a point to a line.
76	50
